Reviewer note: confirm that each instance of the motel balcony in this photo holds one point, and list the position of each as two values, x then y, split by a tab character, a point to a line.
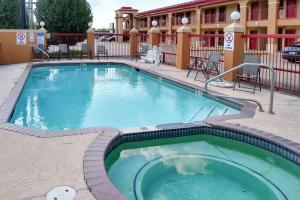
289	15
142	25
211	20
257	17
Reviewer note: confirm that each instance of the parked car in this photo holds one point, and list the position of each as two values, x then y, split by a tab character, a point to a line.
104	38
112	38
292	52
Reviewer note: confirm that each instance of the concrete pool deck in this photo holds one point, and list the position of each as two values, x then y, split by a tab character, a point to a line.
31	166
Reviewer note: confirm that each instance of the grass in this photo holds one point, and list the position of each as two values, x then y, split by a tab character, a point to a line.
73	53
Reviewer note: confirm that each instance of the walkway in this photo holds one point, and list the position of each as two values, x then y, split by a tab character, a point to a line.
30	166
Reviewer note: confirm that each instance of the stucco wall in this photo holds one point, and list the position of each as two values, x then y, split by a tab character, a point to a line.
10	52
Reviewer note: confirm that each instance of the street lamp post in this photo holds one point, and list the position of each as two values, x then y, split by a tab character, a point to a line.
22	14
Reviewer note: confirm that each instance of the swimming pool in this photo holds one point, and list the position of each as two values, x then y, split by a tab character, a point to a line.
62	97
201	167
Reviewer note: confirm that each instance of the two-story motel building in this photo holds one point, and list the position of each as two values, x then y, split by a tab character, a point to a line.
211	16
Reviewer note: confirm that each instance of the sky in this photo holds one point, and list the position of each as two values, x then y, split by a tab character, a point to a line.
104	10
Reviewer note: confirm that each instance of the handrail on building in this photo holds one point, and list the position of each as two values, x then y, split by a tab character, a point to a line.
272	84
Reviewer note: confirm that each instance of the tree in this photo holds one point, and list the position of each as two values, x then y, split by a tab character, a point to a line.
68	16
9	14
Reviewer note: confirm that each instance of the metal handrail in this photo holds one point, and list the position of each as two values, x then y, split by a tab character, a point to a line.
260	108
271	104
44	52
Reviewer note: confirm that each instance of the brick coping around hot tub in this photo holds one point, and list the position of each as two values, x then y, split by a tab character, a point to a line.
96	176
247	110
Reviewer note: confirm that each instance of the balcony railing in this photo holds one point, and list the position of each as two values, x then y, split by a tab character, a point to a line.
142	24
177	21
162	22
259	14
210	18
289	12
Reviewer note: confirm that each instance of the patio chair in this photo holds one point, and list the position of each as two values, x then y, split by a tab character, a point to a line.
64	50
210	66
149	57
37	53
249	73
85	50
101	50
197	63
142	52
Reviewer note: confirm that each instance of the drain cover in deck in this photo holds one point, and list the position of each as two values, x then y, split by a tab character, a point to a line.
61	193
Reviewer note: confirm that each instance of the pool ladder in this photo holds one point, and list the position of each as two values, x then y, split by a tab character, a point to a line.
43	52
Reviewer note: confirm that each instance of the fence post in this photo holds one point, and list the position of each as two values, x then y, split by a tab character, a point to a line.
183	47
90	37
233	48
154	36
133	43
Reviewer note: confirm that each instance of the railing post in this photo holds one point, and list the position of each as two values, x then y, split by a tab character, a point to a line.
133	43
233	48
183	47
154	38
273	12
90	37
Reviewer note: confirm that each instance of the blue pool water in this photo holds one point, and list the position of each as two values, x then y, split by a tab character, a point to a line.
69	97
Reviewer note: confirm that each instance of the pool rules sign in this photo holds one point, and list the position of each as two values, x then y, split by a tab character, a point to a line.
229	41
21	38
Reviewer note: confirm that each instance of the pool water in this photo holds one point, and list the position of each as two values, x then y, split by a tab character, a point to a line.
93	95
201	167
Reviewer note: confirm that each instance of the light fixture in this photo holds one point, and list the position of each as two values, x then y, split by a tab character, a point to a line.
185	21
154	23
42	24
90	24
235	16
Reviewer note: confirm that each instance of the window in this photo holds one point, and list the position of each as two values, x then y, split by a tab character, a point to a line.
221	39
291	9
255	11
222	14
210	16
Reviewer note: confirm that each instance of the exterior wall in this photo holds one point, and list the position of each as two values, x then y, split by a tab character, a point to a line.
10	52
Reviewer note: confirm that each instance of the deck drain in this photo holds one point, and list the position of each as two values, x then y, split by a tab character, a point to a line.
61	193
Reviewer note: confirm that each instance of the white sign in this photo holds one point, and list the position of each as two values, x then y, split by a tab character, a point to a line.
21	39
40	38
229	41
31	37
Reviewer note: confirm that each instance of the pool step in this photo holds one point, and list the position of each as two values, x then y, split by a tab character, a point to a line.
209	111
194	116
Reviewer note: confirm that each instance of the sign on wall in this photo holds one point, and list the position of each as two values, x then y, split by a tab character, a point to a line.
229	41
31	37
40	38
21	38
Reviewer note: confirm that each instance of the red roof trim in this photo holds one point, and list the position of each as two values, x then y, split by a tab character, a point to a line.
181	6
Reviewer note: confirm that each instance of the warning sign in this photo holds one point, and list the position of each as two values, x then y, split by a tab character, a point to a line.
229	41
40	37
21	39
